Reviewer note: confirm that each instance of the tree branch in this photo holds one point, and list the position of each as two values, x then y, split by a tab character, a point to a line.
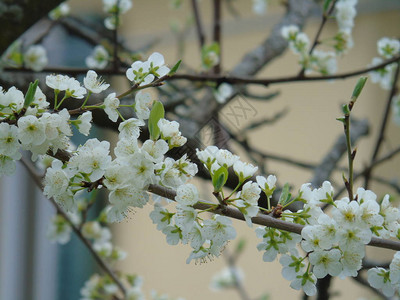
382	128
264	220
102	264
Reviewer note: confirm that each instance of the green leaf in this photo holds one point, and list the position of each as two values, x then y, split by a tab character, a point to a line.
30	94
240	246
175	68
219	178
345	109
157	112
285	195
326	5
341	119
359	86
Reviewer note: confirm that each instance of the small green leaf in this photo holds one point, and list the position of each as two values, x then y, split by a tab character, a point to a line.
175	68
219	178
30	94
341	119
157	112
345	109
358	88
285	195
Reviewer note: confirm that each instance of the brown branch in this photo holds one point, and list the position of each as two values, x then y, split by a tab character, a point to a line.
217	33
268	81
382	129
199	26
264	220
325	17
217	78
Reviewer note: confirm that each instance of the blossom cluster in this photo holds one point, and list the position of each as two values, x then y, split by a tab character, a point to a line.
142	73
334	244
387	48
324	62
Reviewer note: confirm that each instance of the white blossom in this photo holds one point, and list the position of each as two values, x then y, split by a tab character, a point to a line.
266	184
244	170
35	58
9	143
40	99
157	64
92	159
223	92
292	266
289	32
172	234
94	84
142	103
345	14
226	158
219	229
74	89
56	180
98	59
31	130
185	218
59	230
111	104
388	47
60	11
326	262
379	278
307	282
161	217
123	5
260	7
155	150
57	82
227	278
13	100
187	194
84	123
395	268
130	128
250	193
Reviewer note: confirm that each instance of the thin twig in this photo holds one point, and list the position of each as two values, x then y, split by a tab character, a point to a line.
383	126
217	78
217	33
199	26
325	17
237	282
370	166
115	37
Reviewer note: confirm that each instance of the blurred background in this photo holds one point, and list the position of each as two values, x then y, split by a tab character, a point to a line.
31	267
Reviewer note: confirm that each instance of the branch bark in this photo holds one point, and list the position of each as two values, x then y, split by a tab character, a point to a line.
16	16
